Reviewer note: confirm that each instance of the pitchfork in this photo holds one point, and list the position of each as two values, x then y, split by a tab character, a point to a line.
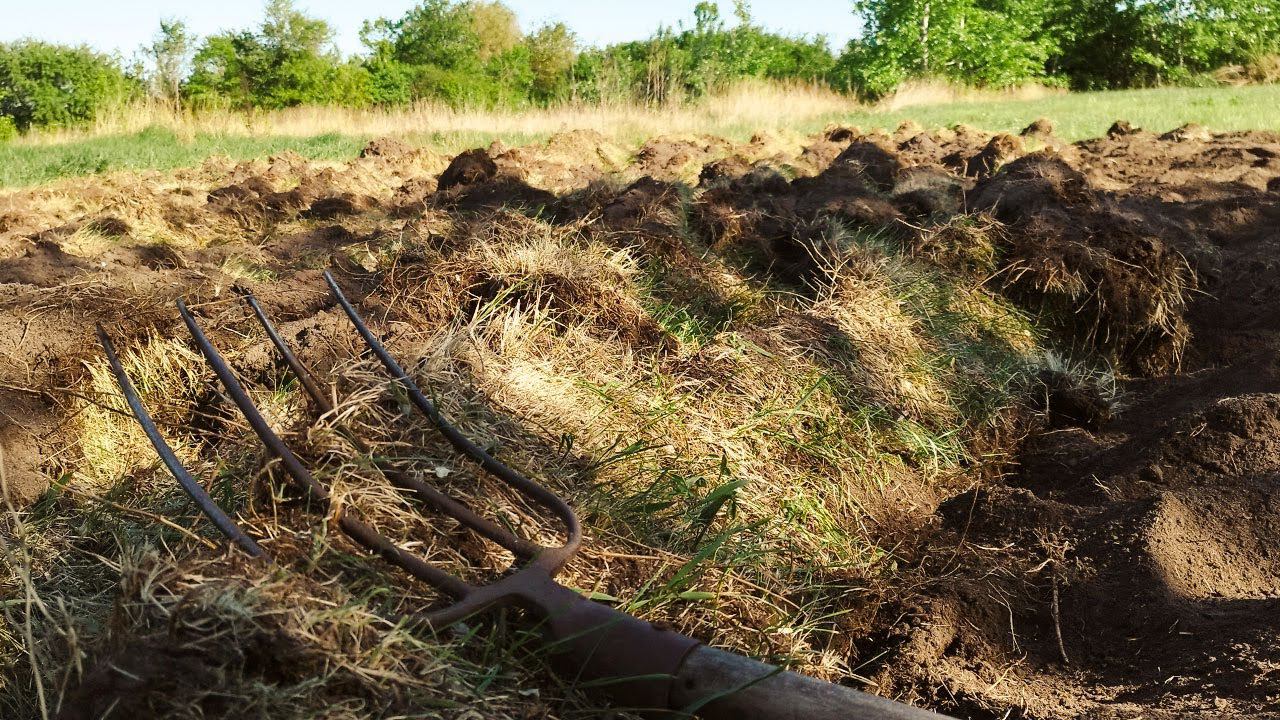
642	667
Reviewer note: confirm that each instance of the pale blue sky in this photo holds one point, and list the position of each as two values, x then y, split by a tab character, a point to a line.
124	25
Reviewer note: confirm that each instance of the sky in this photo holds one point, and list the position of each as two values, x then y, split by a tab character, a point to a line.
122	26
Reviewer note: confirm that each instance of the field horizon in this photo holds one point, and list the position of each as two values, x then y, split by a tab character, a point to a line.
150	136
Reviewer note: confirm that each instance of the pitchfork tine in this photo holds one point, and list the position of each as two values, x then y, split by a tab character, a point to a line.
425	492
302	372
194	490
357	529
551	559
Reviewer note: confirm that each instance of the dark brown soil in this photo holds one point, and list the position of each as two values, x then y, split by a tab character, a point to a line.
1146	532
1126	567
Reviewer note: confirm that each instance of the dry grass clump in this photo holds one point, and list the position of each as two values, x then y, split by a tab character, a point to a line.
217	202
559	270
97	213
966	244
226	638
940	92
506	259
864	329
698	468
1262	69
561	163
114	446
1116	290
932	349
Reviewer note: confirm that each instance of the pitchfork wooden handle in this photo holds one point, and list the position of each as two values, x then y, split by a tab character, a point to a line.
718	685
662	673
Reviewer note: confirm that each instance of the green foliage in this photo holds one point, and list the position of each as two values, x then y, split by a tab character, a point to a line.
1085	43
348	85
468	54
996	43
46	85
8	129
435	33
456	87
552	53
698	60
495	26
1110	45
390	81
288	61
170	53
473	53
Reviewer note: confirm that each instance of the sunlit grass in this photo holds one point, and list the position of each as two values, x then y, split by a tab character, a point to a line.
145	137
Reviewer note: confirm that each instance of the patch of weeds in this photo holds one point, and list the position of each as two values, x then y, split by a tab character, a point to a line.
981	348
1094	374
242	268
689	306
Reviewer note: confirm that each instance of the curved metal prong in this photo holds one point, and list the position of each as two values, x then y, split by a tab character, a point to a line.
444	503
550	559
357	529
300	371
189	485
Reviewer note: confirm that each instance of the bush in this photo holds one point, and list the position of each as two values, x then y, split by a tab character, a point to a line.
390	82
462	88
8	129
695	61
47	85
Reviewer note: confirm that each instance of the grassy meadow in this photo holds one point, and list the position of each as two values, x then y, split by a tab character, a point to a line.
149	137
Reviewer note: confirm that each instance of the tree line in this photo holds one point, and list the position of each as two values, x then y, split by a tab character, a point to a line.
474	53
1081	44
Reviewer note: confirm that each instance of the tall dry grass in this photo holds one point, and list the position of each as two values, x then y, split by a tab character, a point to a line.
1261	69
918	93
744	107
754	104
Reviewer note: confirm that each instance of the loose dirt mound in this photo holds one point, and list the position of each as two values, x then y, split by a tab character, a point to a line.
1114	558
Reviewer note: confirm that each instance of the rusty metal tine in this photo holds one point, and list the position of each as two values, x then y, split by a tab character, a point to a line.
300	371
357	529
553	559
444	503
189	485
273	442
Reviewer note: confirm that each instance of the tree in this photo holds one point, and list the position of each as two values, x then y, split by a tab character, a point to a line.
460	52
1104	44
552	53
300	56
171	52
1086	43
47	85
496	28
433	32
289	61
